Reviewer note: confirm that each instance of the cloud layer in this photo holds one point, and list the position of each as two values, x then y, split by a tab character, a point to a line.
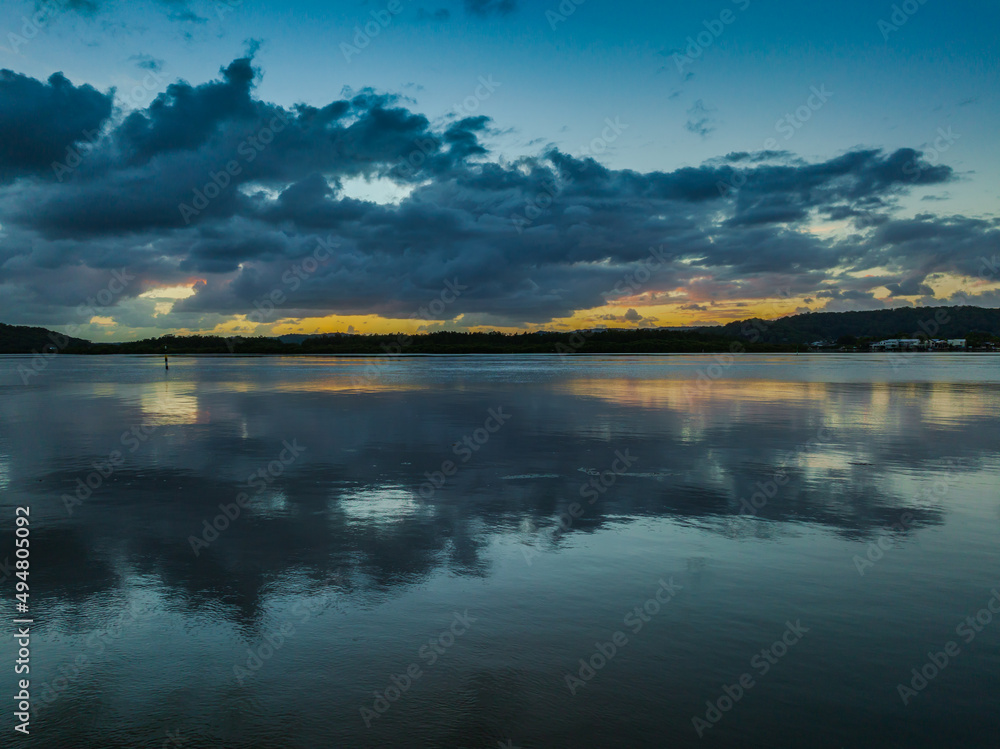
211	186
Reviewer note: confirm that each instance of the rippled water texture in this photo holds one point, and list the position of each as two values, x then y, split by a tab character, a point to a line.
432	545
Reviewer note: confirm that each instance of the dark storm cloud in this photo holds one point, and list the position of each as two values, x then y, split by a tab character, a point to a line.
185	117
910	287
159	157
929	243
277	182
39	121
838	294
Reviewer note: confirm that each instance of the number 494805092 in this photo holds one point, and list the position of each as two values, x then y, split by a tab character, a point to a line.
21	552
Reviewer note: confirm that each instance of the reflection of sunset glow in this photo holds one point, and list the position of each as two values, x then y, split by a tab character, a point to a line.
828	460
101	389
944	403
161	405
344	384
690	393
338	375
940	403
839	407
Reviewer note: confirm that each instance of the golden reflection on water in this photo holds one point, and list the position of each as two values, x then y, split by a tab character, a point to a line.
164	403
844	404
685	395
343	385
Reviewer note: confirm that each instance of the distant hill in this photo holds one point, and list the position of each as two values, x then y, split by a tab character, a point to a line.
784	334
22	339
905	322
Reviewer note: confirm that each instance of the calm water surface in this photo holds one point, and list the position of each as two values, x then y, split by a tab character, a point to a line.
840	506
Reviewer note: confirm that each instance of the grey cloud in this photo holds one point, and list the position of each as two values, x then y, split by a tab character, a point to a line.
700	119
910	287
121	207
40	121
147	62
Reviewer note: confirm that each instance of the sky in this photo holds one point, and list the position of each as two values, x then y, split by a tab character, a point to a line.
262	168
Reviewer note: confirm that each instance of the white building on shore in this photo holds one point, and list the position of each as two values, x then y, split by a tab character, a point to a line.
917	344
899	344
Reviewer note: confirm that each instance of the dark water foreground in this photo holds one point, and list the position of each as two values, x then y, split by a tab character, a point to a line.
484	552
